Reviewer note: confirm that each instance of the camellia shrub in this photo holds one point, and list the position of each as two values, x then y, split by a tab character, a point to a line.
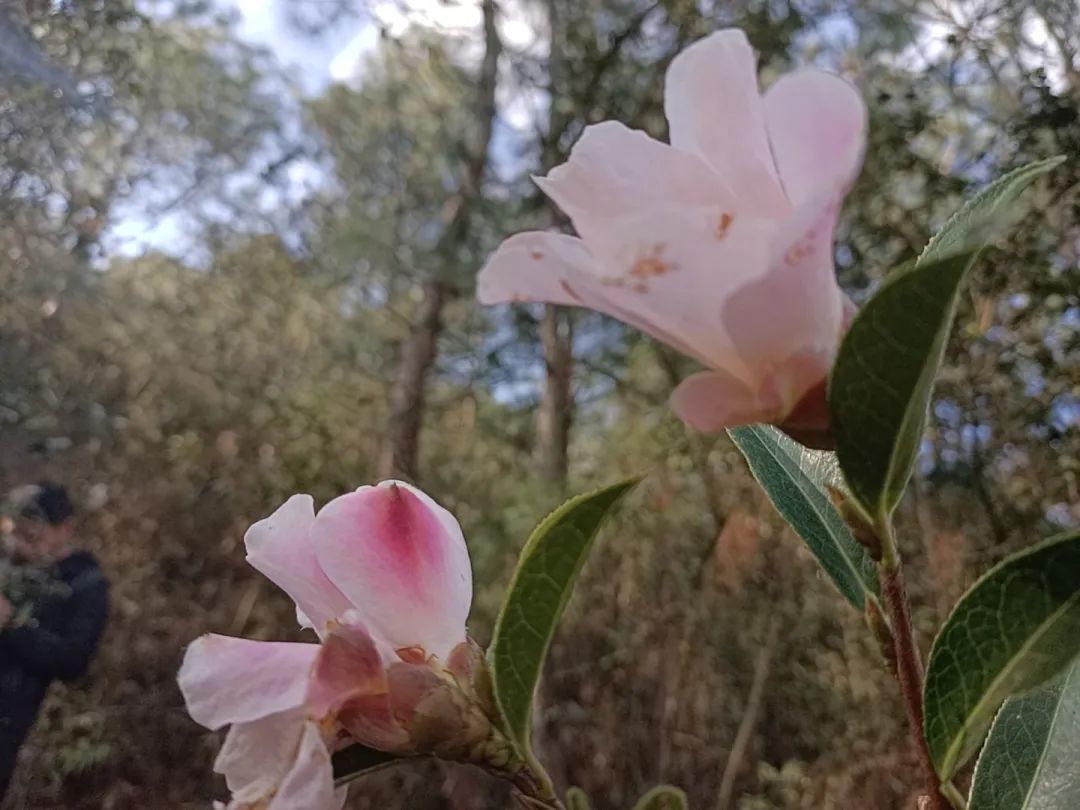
720	245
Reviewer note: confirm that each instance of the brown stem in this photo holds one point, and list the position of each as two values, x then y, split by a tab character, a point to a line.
909	673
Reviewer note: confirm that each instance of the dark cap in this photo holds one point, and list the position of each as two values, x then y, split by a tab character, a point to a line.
45	502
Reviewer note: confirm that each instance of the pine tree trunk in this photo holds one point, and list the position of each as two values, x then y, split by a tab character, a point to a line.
556	401
400	457
401	450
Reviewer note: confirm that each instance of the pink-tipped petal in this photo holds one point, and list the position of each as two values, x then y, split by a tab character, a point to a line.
710	401
281	547
713	106
817	127
615	171
256	756
402	561
309	784
348	663
235	680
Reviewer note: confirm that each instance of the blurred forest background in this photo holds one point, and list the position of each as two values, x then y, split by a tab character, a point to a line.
227	275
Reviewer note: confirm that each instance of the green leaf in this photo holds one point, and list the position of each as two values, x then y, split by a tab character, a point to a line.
1017	627
356	760
881	383
663	797
987	214
577	799
795	478
541	586
1031	760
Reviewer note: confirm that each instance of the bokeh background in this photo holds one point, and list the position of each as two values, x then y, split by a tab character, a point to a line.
238	245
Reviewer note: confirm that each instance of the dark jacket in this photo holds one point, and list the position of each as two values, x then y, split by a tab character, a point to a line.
57	643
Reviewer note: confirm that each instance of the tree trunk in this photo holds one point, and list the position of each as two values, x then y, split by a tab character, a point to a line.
400	455
401	450
556	401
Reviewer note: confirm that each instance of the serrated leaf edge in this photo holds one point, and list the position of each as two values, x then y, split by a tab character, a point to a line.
867	592
1046	743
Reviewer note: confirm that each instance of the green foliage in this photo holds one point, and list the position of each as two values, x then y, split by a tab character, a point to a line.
987	214
663	797
1031	756
546	573
1017	627
795	480
884	373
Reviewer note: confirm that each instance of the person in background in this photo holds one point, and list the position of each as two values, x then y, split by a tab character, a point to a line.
53	607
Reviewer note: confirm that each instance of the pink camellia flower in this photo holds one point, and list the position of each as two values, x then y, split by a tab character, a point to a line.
721	244
382	575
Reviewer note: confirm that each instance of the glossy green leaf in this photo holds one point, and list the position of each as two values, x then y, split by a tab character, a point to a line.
795	478
986	214
1031	760
881	383
545	576
663	797
1016	628
577	799
356	760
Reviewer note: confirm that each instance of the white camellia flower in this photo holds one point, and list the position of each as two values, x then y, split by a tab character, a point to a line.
719	244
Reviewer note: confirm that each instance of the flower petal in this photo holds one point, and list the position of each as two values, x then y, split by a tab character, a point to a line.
348	663
402	561
710	401
797	308
671	269
236	680
817	127
666	271
309	784
558	269
714	109
256	756
281	547
614	171
535	266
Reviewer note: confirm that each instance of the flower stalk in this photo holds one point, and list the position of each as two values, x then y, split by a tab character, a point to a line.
907	663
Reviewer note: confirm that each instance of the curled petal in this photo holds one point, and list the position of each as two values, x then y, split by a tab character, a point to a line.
615	171
817	127
796	307
536	266
256	755
401	560
235	680
714	109
281	547
309	783
348	664
710	401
